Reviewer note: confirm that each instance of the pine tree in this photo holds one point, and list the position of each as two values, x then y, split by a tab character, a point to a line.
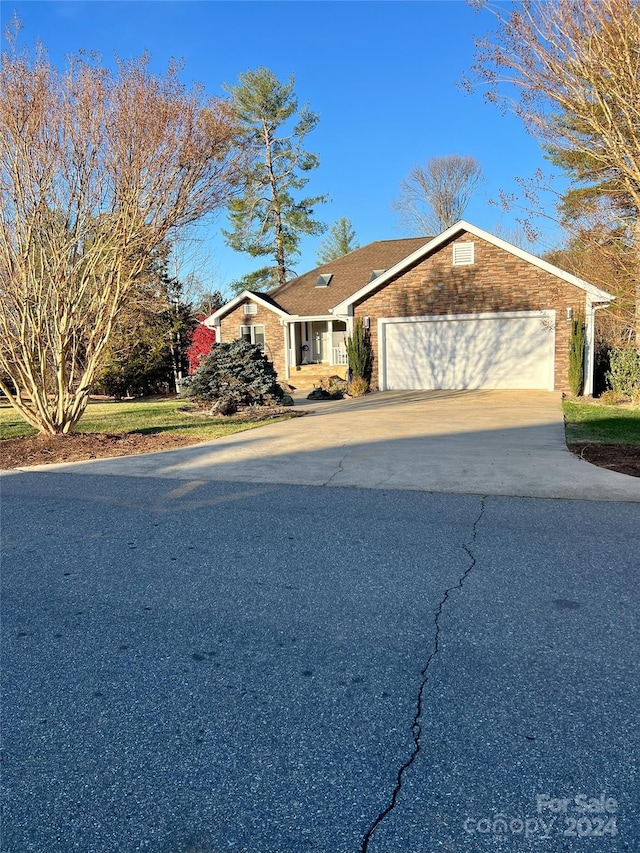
340	241
269	218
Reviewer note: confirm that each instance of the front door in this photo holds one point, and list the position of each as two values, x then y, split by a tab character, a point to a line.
320	340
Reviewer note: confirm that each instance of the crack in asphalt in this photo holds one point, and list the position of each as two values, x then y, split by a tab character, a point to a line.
416	728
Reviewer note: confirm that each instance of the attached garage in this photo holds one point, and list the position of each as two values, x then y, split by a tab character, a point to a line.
463	310
468	351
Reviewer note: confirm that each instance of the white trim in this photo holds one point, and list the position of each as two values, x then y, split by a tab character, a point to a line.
590	344
478	315
310	318
545	314
288	330
596	294
229	306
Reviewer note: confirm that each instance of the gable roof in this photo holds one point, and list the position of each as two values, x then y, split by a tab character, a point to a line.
430	246
301	296
351	277
261	298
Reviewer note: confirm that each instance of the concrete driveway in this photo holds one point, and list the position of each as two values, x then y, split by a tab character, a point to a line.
460	442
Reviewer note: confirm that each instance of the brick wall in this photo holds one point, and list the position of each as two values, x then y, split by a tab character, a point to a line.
273	332
497	281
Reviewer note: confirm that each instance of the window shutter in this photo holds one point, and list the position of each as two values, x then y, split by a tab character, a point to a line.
250	308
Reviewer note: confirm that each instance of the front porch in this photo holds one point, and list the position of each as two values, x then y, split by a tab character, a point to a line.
316	348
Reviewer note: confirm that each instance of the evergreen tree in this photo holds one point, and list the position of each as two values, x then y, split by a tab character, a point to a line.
340	241
269	217
576	354
147	351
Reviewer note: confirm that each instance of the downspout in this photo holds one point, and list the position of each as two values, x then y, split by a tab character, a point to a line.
589	348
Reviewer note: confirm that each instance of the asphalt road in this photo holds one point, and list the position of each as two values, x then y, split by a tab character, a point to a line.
260	668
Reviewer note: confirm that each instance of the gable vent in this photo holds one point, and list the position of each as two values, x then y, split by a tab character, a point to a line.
324	279
250	308
375	274
463	253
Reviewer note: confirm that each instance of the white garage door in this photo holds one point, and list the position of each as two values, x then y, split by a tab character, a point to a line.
508	350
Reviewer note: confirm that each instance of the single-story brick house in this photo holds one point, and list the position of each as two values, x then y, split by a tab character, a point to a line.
463	310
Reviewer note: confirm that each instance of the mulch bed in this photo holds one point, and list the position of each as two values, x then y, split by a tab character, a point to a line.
77	446
624	458
25	452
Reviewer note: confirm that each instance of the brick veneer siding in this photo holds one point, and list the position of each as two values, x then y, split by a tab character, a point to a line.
273	332
497	281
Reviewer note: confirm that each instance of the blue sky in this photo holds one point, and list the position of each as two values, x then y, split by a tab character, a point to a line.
382	76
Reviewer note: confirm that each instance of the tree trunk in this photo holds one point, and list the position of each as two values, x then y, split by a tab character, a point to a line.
277	214
636	235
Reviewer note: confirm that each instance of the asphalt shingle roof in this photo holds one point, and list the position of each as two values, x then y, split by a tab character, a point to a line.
348	274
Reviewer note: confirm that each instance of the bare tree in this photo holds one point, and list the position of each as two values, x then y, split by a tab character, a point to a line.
97	169
571	70
435	196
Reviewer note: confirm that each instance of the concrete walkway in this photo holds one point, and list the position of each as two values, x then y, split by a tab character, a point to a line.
461	442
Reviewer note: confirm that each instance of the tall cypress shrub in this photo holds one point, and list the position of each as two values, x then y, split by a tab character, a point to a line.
359	352
576	354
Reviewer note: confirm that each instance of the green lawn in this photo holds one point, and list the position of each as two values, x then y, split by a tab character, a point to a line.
590	421
145	416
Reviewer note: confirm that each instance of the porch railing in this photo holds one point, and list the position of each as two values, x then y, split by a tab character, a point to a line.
339	355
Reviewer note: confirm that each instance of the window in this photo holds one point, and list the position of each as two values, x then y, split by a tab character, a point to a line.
250	308
253	335
463	253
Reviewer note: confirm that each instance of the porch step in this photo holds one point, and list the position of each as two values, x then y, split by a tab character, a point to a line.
311	376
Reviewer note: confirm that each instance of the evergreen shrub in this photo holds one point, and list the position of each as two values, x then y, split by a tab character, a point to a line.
237	372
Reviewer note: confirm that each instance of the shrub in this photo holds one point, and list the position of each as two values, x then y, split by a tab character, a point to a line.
202	340
624	371
236	372
613	398
576	355
359	352
358	386
601	368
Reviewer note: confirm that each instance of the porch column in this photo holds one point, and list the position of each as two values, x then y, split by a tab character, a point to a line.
330	333
293	358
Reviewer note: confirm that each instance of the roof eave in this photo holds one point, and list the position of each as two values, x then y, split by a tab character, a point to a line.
594	292
212	319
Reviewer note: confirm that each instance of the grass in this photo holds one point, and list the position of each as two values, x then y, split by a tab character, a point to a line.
596	423
144	416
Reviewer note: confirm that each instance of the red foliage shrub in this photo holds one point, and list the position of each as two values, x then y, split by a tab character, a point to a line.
202	340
